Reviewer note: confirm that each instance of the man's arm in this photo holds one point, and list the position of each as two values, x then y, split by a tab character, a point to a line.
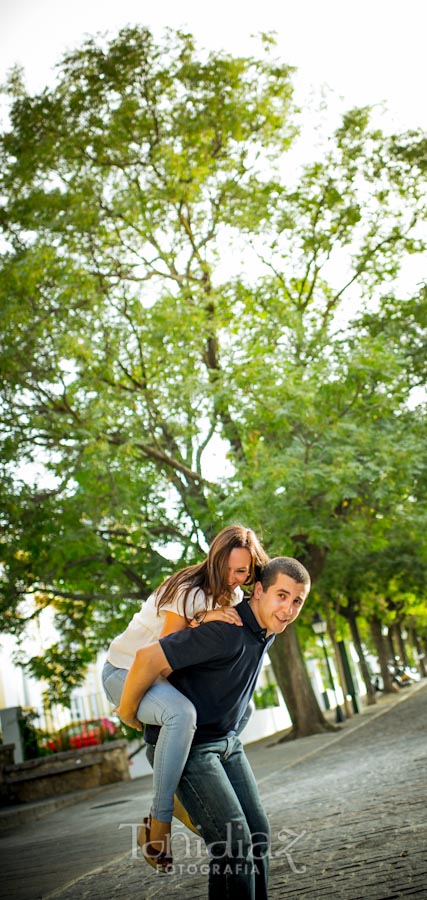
149	663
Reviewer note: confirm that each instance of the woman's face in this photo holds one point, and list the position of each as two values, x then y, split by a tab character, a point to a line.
239	563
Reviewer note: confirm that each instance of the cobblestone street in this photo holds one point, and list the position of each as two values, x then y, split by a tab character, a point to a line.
348	814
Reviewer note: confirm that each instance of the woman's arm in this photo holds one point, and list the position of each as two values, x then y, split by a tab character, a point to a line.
173	622
219	614
149	663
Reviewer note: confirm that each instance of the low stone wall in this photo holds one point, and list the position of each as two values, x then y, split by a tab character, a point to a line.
60	773
6	759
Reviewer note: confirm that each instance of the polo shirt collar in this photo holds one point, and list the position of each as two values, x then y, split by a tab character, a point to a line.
247	616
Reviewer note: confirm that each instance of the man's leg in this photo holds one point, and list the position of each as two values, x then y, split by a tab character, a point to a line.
211	799
242	779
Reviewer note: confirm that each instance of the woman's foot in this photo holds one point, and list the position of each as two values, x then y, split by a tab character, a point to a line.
128	719
154	839
181	813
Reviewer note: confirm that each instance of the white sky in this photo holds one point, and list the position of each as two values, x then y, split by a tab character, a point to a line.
367	51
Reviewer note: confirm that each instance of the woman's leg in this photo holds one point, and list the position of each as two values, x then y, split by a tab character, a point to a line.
165	706
113	680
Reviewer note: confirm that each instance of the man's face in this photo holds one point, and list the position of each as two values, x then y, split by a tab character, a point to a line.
280	604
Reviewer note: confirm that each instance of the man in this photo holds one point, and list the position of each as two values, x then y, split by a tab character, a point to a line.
216	666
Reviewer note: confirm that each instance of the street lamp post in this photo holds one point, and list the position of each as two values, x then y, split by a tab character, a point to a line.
319	628
348	676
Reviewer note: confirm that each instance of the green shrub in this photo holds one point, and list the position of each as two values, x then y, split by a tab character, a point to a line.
32	737
266	696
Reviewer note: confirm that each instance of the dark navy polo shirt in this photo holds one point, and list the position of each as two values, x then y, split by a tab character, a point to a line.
216	666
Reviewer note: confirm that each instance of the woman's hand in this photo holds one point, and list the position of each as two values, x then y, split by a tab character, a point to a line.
219	614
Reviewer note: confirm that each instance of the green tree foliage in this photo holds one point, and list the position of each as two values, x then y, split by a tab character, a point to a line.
118	185
129	346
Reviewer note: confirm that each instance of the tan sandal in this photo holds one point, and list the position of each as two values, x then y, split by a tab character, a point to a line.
159	860
181	813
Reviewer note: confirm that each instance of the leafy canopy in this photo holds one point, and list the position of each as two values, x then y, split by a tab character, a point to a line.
129	349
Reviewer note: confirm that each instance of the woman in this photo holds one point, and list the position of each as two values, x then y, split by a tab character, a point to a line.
200	593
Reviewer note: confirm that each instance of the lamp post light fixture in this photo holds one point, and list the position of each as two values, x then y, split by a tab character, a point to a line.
319	627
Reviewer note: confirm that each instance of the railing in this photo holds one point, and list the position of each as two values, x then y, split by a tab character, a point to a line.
84	706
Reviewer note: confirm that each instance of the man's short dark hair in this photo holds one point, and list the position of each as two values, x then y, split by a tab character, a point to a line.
285	565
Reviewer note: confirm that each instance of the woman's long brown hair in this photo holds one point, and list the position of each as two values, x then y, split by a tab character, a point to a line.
211	574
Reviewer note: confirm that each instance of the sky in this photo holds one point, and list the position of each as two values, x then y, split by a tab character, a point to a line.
368	52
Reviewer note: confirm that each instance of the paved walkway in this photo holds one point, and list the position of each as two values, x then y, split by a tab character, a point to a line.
348	814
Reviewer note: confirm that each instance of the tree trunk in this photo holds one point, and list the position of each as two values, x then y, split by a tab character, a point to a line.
419	651
340	669
382	653
392	649
293	680
400	644
370	690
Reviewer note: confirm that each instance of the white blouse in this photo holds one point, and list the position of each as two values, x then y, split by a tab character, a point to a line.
146	625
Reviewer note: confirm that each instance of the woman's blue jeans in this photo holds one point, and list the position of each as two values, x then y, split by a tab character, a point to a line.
161	705
219	791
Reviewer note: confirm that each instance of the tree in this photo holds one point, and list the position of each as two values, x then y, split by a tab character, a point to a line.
118	185
128	349
331	444
289	668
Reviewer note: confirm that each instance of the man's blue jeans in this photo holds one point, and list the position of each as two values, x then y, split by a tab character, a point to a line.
219	791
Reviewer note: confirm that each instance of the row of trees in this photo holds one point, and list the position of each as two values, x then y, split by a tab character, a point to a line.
169	281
